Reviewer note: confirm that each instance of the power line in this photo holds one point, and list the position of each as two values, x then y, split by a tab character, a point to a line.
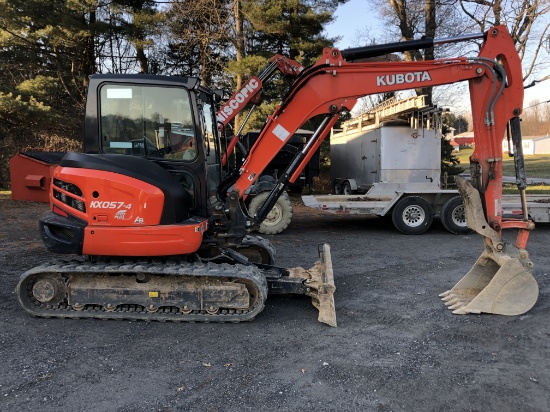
536	104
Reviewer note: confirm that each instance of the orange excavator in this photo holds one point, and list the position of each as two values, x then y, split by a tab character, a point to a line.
165	231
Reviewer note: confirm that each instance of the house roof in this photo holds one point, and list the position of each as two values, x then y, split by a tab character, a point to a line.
535	138
464	139
465	134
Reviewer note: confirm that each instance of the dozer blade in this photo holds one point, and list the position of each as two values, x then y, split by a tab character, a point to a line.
500	282
320	285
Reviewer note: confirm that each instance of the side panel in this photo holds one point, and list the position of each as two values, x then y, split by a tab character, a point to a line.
355	156
337	155
389	154
409	155
30	178
110	199
353	162
144	240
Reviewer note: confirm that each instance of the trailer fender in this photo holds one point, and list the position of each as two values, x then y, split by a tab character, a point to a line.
352	184
391	203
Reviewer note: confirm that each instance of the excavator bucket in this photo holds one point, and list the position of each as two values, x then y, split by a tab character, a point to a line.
500	282
320	285
497	283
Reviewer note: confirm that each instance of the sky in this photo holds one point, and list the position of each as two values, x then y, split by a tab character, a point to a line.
350	19
356	16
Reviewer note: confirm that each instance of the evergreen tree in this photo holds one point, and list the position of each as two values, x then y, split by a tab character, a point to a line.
449	161
290	27
46	56
293	28
133	24
201	32
48	50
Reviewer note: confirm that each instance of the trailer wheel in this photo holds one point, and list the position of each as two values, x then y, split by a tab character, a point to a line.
453	216
412	215
278	218
337	187
346	188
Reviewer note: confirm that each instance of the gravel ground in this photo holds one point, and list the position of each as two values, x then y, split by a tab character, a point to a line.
396	347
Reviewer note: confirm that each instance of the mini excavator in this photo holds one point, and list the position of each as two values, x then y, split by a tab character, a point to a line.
165	232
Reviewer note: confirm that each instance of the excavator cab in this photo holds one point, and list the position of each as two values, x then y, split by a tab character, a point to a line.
170	121
151	160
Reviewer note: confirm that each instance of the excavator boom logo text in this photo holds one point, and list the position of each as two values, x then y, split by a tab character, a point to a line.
402	78
239	99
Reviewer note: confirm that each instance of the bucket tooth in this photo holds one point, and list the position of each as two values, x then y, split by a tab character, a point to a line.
451	301
449	297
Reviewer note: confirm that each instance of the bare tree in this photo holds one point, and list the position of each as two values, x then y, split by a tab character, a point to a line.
525	19
416	18
528	24
201	31
240	47
536	118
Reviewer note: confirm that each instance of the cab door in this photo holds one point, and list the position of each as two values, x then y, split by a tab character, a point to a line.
211	144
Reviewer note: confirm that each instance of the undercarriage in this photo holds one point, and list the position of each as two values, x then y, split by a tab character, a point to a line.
172	289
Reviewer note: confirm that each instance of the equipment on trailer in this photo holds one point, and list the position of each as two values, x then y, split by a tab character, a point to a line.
280	215
167	234
387	161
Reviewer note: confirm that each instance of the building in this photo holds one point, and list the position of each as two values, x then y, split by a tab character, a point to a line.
532	145
464	139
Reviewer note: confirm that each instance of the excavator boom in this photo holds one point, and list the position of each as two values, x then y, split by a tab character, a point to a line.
496	92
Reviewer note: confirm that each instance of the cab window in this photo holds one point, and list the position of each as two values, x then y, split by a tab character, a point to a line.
151	121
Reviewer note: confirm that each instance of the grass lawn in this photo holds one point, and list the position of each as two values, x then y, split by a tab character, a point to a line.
535	166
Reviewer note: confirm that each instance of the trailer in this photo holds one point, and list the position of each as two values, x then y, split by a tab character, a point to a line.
388	162
412	212
280	215
538	207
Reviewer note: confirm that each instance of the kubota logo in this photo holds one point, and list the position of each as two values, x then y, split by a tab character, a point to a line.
402	78
239	99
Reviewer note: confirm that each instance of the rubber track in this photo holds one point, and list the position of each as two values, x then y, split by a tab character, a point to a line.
250	274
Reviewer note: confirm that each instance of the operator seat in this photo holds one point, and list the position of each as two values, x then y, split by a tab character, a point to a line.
177	201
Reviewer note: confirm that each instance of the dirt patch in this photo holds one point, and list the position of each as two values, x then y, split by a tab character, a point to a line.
396	347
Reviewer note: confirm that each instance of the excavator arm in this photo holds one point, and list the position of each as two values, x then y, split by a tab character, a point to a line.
250	92
335	82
